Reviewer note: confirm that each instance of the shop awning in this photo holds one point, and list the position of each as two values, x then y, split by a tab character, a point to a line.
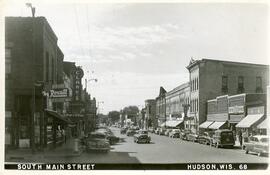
58	116
206	124
264	124
172	123
216	125
249	120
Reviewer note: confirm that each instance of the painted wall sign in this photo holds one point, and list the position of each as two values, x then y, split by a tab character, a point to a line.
236	109
59	93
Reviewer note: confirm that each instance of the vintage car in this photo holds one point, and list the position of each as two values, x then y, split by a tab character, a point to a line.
162	131
123	130
131	132
142	137
96	141
157	130
167	132
184	134
205	138
151	129
222	138
258	144
175	133
192	137
109	136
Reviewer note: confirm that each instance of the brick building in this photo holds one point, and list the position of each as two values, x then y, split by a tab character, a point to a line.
212	78
33	66
161	106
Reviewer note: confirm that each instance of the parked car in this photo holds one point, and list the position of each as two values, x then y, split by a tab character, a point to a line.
151	129
175	133
162	131
142	137
223	137
131	132
192	137
123	130
258	144
97	141
167	132
157	130
109	136
205	138
184	133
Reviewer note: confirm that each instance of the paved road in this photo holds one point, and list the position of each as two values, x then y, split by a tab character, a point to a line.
165	150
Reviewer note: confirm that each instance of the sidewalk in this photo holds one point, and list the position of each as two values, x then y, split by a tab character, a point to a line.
61	151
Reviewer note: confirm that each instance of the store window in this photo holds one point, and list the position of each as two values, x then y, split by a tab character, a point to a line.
259	85
224	88
241	84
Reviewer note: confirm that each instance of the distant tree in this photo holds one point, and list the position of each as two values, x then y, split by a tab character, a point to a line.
131	110
114	116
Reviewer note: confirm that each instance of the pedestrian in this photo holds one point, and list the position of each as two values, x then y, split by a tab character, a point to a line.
64	136
240	138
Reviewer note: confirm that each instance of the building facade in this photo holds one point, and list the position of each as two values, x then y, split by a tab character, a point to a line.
212	78
150	114
161	106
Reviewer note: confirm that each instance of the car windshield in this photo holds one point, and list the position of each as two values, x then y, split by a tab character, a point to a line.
97	136
143	132
264	140
227	134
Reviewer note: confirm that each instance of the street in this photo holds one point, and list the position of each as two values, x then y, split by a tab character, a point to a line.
163	149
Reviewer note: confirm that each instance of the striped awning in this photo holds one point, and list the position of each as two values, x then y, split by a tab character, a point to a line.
249	120
264	124
216	125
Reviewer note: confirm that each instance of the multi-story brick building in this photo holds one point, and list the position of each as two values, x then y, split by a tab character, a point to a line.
161	106
212	78
33	69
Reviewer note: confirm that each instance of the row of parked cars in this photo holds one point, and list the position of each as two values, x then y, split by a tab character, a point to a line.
99	140
258	144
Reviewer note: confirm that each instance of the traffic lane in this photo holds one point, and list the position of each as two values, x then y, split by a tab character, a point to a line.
168	150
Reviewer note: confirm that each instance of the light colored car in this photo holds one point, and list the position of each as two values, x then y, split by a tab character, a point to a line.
258	144
167	132
97	141
174	133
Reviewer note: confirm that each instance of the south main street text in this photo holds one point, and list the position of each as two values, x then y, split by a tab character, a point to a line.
73	166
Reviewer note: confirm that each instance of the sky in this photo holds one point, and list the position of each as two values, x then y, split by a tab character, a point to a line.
133	49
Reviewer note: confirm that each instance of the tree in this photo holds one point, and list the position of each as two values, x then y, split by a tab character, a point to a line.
114	116
131	112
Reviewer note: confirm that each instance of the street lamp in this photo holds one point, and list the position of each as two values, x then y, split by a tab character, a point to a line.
33	9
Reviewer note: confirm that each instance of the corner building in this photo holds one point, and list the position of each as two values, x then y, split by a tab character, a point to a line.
211	78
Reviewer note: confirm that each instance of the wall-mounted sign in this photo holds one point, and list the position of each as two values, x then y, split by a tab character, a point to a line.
255	110
59	93
74	115
78	74
236	109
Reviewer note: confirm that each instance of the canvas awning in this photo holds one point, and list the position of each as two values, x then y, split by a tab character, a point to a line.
171	123
264	124
58	116
249	120
206	124
216	125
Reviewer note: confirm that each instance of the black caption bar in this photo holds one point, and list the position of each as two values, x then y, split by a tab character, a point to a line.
92	166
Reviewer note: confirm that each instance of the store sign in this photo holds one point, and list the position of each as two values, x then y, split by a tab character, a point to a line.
255	110
74	115
78	73
236	109
59	93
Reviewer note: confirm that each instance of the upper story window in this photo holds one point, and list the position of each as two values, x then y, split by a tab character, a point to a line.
259	85
241	88
224	88
8	61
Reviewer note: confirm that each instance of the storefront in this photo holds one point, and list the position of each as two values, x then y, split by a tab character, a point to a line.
173	124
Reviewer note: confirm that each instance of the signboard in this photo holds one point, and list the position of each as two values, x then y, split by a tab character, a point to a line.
255	110
236	109
74	115
59	93
78	74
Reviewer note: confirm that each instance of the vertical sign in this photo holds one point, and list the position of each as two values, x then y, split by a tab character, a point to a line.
78	74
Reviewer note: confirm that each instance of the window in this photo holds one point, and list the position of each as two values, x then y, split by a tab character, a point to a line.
47	65
224	88
8	61
259	85
241	84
